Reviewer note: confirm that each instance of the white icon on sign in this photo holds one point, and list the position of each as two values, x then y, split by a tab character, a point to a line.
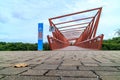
52	29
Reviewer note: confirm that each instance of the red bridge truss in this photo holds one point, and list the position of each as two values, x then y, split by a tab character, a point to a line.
78	29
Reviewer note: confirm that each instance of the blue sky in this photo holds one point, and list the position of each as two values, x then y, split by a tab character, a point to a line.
19	18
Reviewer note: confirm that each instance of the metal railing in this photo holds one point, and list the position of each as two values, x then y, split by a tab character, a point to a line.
56	43
95	43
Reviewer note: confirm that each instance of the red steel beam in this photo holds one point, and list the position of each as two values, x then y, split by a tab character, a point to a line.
50	44
72	31
75	13
57	32
97	21
72	39
73	20
74	28
74	25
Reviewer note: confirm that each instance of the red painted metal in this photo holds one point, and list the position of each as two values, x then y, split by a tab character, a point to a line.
68	31
72	39
78	28
87	32
74	20
94	43
74	25
75	13
56	43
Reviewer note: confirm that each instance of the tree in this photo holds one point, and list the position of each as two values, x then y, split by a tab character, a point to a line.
118	32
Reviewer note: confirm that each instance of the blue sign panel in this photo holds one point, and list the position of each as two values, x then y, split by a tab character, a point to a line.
40	36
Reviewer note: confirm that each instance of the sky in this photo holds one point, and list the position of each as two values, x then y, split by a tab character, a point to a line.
19	18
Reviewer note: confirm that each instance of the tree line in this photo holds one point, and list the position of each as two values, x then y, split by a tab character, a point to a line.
111	44
19	46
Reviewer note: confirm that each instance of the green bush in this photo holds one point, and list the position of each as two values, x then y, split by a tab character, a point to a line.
46	46
19	46
111	44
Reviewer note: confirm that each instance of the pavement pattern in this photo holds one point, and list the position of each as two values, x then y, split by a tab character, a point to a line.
60	65
73	48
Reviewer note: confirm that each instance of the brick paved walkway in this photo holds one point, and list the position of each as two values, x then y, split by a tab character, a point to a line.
73	48
60	65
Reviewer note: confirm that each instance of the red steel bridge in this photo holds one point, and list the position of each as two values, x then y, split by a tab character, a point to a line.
76	29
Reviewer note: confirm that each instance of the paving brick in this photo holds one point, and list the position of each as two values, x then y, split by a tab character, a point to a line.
1	67
102	60
108	73
45	66
84	74
110	77
68	67
97	68
88	64
119	68
70	78
34	72
8	71
5	65
1	76
69	63
72	48
35	62
29	78
32	65
86	60
53	62
109	64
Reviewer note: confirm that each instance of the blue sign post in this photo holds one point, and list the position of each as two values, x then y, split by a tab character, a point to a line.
40	36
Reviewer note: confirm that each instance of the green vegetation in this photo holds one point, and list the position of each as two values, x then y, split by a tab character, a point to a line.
19	46
111	44
46	46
